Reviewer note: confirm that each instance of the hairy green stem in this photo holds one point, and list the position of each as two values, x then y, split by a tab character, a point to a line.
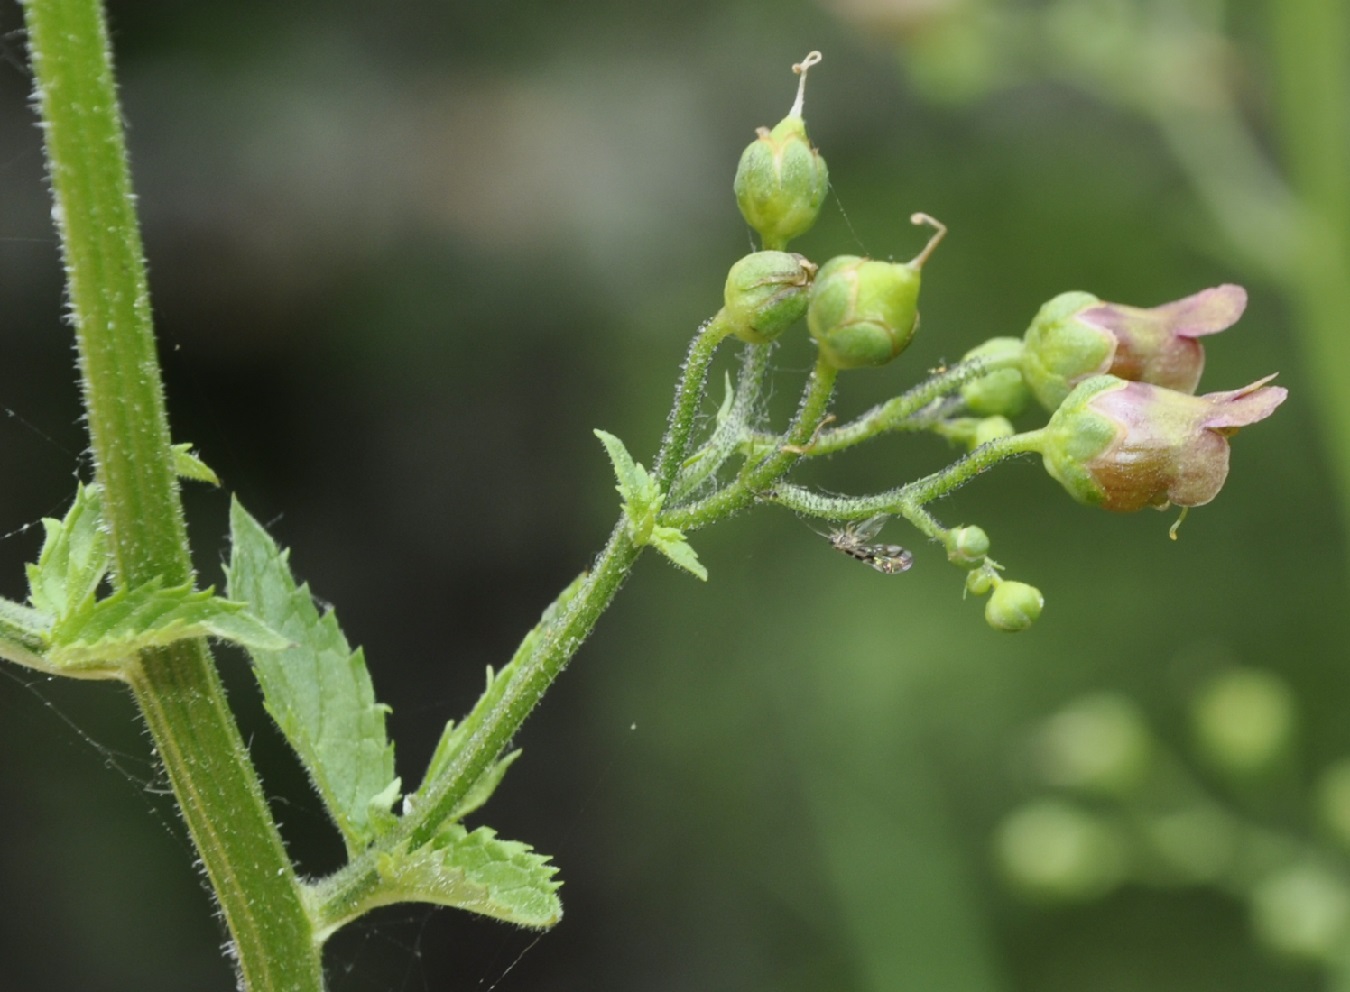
688	395
177	688
729	434
758	476
901	412
526	687
908	500
343	895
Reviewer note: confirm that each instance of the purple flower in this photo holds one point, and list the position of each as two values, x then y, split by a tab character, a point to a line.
1076	336
1126	445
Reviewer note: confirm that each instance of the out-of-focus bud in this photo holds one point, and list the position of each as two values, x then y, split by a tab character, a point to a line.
1244	720
1076	336
966	545
781	180
1002	392
864	312
1055	850
991	429
1013	606
1333	800
766	293
1302	911
1126	445
1101	743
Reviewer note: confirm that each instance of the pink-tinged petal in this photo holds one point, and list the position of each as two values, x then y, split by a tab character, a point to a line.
1207	312
1241	407
1201	470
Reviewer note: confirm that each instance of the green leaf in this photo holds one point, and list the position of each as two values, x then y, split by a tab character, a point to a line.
150	616
318	689
670	542
638	489
73	559
187	465
477	871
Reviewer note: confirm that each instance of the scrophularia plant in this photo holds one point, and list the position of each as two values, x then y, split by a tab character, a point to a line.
113	595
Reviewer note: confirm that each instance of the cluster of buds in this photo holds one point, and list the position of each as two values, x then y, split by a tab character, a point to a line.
1126	428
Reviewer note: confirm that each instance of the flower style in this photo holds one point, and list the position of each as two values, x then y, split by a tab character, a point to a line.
1076	336
1126	445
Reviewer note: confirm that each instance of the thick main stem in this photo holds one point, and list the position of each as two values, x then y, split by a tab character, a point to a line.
177	688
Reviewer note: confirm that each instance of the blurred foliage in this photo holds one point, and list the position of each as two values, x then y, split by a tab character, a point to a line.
436	244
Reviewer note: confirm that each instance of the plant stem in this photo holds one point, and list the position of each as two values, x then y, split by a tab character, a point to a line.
757	477
177	688
495	728
688	394
908	500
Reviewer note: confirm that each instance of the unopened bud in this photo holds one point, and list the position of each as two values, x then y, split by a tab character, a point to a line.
781	180
966	545
864	312
1002	392
766	293
1013	607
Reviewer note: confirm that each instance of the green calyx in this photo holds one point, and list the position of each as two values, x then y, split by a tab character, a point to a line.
782	179
1075	435
1002	392
1061	351
864	312
766	293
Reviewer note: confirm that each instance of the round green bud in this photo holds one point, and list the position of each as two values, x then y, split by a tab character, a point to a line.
782	180
1002	392
1302	911
991	429
1100	742
863	312
1056	850
1244	720
1013	607
980	581
766	293
1333	801
966	545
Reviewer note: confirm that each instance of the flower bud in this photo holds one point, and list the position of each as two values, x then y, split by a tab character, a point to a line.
1302	911
766	293
1002	392
966	545
1244	720
980	580
1057	850
991	429
1076	336
1333	800
864	312
1100	743
781	180
1126	445
1013	606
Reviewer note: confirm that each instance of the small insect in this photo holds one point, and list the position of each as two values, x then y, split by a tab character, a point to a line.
853	540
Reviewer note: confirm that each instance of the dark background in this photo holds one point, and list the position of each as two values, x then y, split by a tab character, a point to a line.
404	257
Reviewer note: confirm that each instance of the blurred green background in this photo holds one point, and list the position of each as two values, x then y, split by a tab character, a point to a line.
404	257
